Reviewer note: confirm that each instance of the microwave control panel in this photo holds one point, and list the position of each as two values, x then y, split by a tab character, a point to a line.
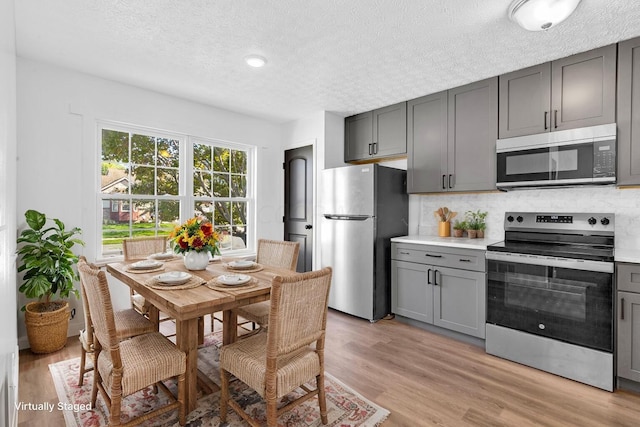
604	159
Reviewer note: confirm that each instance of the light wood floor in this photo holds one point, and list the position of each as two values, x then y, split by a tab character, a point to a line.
423	378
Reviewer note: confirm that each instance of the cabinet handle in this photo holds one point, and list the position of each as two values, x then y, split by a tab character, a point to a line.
546	115
370	149
622	309
375	148
555	119
444	185
433	256
435	277
404	253
464	260
450	176
429	276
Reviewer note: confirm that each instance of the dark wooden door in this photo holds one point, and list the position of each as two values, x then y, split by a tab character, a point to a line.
298	202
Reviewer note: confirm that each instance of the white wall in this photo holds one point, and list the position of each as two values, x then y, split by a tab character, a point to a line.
58	158
625	204
8	287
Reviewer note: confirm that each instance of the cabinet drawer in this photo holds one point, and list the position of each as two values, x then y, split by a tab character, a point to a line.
440	256
628	277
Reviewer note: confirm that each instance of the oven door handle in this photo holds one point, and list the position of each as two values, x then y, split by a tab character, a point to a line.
575	264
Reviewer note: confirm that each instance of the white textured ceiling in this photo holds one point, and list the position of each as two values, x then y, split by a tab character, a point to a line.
343	56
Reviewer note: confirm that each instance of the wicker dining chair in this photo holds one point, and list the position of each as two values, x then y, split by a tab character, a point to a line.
289	354
125	367
139	248
272	253
129	323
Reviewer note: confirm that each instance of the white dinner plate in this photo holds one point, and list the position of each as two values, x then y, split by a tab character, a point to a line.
163	255
241	264
146	264
233	279
173	277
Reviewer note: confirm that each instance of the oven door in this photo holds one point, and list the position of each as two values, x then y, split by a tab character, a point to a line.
567	300
566	164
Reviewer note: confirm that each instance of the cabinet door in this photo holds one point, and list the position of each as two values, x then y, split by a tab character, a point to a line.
525	99
390	131
472	134
629	112
459	301
358	136
411	294
427	143
583	89
629	335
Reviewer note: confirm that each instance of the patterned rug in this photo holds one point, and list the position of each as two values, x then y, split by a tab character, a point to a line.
345	407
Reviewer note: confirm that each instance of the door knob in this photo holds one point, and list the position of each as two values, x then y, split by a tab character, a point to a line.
308	226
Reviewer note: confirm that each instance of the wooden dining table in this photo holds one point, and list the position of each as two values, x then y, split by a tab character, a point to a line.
189	306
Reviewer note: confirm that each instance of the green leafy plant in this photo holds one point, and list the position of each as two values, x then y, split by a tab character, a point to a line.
46	258
460	225
476	220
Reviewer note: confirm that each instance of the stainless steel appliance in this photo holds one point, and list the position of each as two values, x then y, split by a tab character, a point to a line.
570	157
550	287
363	206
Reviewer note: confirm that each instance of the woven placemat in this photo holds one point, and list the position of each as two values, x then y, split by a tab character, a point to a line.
214	284
254	269
193	282
143	270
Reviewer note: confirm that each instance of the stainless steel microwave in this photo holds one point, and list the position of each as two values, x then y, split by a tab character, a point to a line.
580	156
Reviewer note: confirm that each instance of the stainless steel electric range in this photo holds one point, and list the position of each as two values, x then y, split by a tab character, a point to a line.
550	294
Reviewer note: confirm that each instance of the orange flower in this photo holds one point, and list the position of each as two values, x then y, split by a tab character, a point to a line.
206	228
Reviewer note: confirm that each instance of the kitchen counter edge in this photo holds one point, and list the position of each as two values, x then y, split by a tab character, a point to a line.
452	242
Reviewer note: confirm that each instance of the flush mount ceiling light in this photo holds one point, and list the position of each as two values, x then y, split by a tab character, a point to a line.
538	15
256	61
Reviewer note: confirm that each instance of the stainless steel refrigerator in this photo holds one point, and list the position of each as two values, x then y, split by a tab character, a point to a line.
363	206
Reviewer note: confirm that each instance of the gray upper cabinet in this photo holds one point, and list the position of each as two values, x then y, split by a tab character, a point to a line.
568	93
427	143
629	112
451	139
376	134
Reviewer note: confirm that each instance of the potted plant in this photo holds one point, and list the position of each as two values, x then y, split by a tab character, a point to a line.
48	265
476	223
459	227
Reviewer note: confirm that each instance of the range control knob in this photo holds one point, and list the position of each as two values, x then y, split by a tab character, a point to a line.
510	218
519	218
592	221
604	221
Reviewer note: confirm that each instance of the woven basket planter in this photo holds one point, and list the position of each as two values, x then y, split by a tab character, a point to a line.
47	331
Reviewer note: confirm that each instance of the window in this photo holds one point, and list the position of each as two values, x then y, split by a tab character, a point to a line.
143	192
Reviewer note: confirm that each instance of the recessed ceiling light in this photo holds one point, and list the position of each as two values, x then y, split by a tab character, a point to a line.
538	15
256	61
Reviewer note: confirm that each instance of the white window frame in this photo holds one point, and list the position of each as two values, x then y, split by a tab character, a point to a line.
185	190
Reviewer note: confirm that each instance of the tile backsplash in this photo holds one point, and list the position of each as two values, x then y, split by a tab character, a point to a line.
625	204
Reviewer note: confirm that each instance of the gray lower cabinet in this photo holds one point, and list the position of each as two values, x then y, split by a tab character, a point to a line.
572	92
442	286
628	347
629	112
451	139
376	134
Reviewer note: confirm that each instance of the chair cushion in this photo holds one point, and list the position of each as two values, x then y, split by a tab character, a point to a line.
257	313
246	359
146	359
130	323
86	345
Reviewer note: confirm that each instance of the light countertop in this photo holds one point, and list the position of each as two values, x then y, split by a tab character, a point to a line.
452	242
627	255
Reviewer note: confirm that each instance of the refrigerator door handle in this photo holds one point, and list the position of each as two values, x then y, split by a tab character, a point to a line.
347	217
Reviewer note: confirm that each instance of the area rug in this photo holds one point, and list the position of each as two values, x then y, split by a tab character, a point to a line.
345	407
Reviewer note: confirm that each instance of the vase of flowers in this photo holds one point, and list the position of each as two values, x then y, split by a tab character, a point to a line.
196	239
